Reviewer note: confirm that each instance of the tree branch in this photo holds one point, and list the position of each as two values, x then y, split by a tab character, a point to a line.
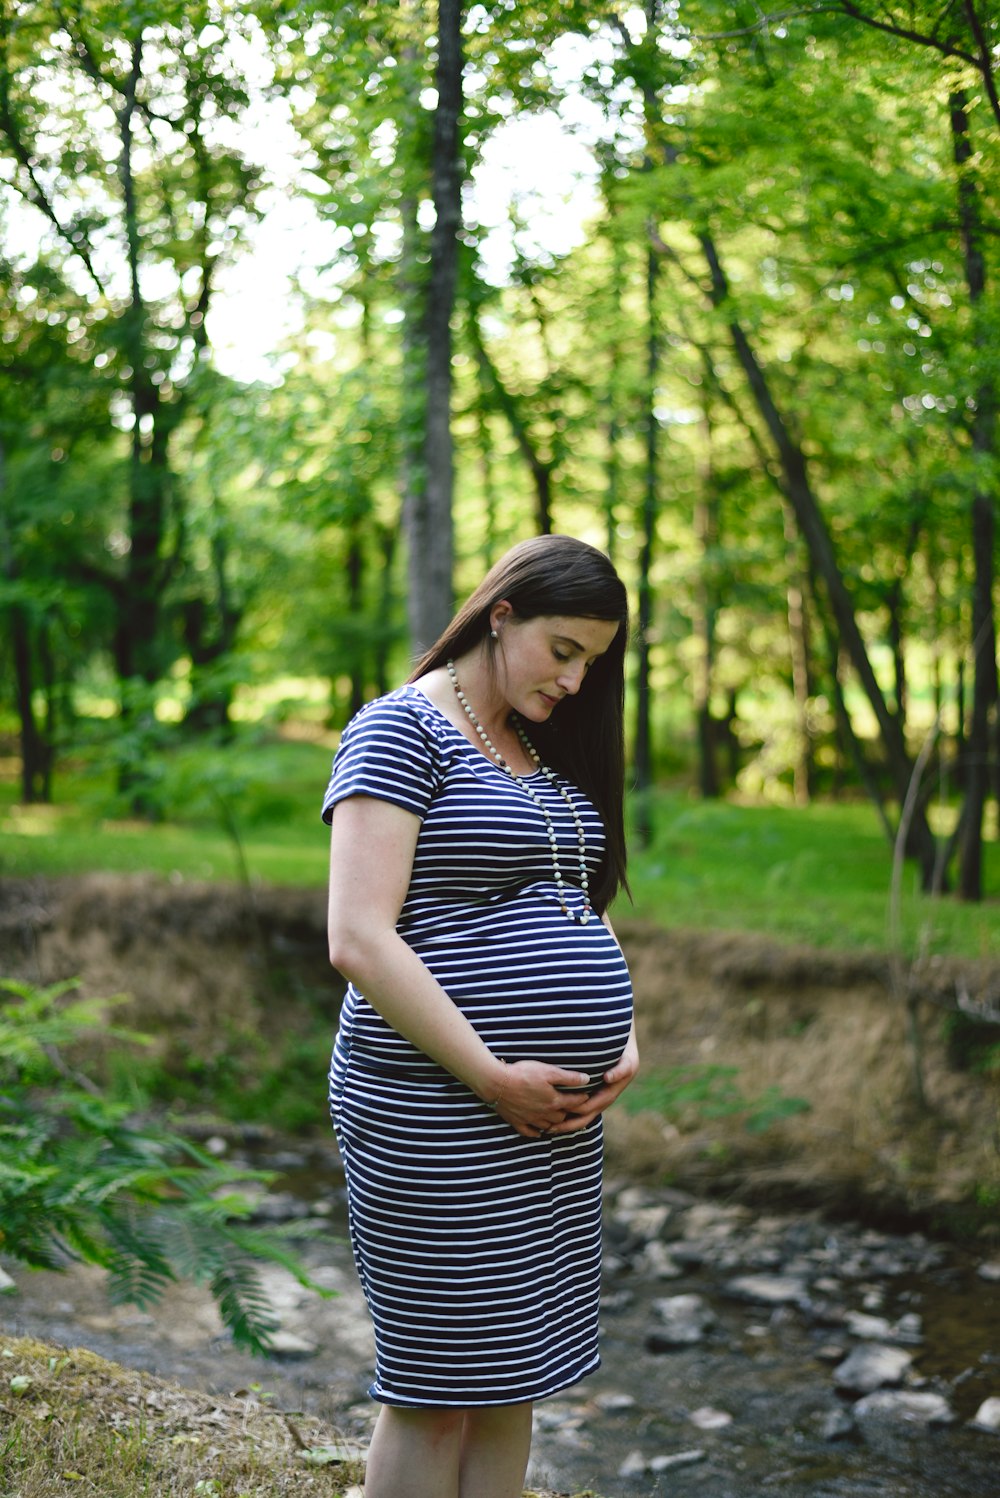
985	64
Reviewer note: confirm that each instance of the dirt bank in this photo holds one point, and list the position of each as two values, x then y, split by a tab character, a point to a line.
212	971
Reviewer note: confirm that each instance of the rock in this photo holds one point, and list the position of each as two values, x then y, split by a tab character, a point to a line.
613	1403
837	1425
830	1352
690	1254
707	1418
289	1347
871	1366
987	1417
905	1406
706	1220
646	1223
909	1329
280	1206
8	1286
633	1198
634	1465
767	1289
677	1459
684	1321
656	1260
554	1417
868	1328
989	1270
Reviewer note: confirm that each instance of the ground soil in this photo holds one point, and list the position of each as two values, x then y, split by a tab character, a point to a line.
212	970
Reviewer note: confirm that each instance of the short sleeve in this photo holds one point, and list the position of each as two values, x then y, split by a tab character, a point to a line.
385	752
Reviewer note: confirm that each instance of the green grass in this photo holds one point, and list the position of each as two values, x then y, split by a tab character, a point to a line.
266	788
818	875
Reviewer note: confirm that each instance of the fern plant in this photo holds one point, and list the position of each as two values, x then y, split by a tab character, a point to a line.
82	1179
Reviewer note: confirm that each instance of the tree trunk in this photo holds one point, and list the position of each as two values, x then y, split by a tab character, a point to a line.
35	752
984	641
429	520
798	651
612	397
706	528
485	443
643	755
812	526
355	600
539	468
383	638
137	647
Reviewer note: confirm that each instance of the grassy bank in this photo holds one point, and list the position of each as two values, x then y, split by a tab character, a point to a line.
72	1423
818	875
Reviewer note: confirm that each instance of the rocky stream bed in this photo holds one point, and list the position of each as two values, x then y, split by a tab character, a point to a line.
744	1354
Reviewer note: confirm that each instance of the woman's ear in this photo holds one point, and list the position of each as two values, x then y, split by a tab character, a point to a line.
499	614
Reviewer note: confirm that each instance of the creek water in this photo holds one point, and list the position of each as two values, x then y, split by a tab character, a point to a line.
749	1406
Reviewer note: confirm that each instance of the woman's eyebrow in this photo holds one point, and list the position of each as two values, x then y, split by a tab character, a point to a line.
568	640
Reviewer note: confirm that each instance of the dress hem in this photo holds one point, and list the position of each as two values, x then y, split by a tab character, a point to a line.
434	1403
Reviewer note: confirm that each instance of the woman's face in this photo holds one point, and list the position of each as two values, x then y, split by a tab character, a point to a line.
542	660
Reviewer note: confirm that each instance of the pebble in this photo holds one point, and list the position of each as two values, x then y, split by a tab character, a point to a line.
906	1406
837	1425
637	1465
657	1260
909	1328
768	1289
634	1465
868	1328
289	1347
708	1418
987	1417
870	1366
677	1459
989	1270
646	1223
612	1403
684	1321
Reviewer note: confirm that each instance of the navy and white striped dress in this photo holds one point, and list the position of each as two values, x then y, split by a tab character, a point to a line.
478	1249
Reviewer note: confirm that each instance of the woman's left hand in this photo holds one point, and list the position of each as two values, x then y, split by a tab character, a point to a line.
616	1079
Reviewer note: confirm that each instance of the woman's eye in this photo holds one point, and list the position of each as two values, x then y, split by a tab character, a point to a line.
562	659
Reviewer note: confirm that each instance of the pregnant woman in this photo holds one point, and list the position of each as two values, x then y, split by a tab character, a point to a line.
477	839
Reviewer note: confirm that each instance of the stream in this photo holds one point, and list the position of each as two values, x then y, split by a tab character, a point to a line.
744	1355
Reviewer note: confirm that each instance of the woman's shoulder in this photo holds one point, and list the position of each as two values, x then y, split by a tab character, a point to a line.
405	704
406	713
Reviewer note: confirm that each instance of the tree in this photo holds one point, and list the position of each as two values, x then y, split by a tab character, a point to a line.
115	126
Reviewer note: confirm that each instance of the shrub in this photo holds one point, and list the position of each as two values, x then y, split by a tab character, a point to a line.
82	1178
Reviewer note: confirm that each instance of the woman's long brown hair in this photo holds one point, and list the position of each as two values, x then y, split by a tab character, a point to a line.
585	736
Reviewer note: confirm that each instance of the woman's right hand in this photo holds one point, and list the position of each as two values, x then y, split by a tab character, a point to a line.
532	1102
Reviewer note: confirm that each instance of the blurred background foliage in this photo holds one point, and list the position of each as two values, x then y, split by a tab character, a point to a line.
722	301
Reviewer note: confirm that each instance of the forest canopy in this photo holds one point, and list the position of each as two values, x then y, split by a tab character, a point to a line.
712	288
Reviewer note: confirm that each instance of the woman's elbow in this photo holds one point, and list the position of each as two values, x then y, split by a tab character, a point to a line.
353	945
342	946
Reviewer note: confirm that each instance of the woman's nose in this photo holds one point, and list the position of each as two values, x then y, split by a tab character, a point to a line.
571	677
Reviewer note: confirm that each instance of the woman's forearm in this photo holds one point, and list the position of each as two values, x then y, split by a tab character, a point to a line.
395	982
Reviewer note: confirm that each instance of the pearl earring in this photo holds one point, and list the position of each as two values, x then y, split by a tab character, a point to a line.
494	635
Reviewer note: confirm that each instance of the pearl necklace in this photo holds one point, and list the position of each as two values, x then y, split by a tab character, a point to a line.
530	791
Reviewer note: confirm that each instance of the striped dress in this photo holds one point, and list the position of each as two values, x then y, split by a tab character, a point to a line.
478	1249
